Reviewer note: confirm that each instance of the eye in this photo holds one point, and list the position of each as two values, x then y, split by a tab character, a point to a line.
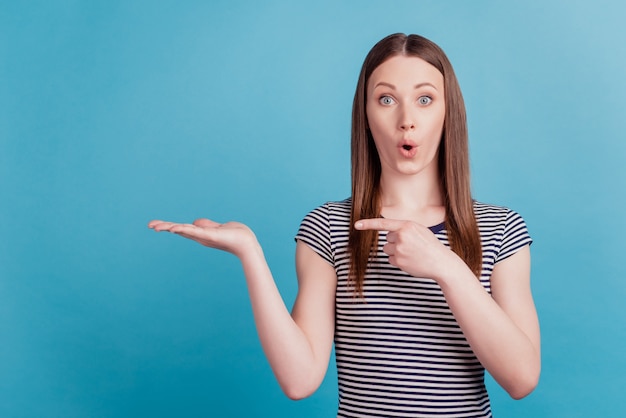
425	100
386	100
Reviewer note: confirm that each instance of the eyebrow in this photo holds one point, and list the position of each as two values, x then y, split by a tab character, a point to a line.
417	86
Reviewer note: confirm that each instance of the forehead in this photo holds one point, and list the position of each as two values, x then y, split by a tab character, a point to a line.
402	70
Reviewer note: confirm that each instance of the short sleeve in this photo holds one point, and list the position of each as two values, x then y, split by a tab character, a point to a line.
314	231
515	236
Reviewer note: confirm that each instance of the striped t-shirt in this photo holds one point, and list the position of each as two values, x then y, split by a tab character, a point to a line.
400	352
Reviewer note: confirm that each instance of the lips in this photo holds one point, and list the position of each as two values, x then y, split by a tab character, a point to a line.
408	148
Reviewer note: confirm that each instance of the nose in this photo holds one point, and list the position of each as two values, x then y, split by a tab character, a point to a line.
407	126
407	120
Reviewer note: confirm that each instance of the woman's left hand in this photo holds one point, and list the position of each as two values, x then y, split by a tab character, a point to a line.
412	247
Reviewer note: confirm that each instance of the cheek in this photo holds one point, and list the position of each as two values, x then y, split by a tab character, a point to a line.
436	124
376	122
378	133
442	116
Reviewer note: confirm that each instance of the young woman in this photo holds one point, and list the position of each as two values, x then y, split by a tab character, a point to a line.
420	287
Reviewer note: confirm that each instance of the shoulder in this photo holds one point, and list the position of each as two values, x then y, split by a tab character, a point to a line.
326	227
483	210
323	220
489	214
328	219
329	211
502	229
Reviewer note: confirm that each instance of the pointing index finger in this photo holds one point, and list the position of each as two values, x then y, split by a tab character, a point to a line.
378	224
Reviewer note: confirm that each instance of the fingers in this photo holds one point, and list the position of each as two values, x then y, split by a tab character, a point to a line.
204	223
186	230
379	224
152	224
389	249
160	226
175	227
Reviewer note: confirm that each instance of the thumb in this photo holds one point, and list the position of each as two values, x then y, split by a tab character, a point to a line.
205	223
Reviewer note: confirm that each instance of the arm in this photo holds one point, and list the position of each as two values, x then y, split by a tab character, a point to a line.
298	348
314	312
502	329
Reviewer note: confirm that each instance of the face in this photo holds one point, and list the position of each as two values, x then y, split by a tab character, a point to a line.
405	111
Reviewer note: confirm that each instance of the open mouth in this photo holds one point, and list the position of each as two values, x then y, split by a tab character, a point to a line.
408	149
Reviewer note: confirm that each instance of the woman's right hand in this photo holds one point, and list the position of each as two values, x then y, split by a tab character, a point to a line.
234	237
298	348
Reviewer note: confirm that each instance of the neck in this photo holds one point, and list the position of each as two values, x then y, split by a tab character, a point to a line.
418	198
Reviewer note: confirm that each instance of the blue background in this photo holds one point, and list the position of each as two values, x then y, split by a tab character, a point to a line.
113	113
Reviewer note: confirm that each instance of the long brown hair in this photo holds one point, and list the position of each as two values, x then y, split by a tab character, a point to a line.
453	160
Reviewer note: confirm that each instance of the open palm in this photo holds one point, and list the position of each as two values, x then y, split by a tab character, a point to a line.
233	237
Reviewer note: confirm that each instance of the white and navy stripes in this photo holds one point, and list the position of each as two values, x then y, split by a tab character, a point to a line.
400	352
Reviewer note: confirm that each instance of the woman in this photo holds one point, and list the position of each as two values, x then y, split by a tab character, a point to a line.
420	287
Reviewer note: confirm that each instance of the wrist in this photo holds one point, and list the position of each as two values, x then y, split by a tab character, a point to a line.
452	269
250	251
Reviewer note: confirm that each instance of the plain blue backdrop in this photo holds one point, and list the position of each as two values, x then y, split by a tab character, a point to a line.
115	112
